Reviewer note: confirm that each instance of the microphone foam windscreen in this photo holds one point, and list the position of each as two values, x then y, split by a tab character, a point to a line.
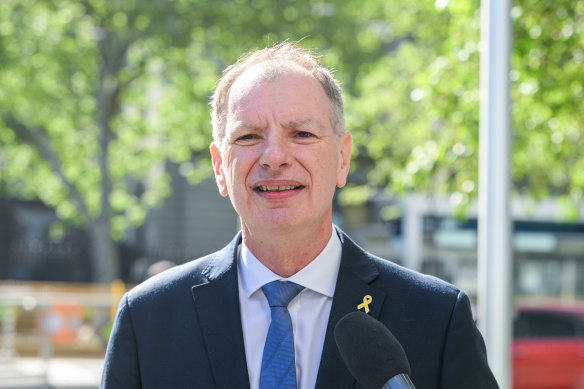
370	351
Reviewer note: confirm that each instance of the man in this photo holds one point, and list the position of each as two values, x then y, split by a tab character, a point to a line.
280	149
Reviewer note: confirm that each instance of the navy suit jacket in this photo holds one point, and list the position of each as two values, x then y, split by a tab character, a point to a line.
182	328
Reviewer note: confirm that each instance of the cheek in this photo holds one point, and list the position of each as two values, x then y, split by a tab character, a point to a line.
327	171
238	168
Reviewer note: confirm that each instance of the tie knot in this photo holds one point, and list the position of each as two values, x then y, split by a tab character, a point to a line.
280	293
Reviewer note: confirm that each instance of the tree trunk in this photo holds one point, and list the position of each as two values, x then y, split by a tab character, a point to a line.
104	252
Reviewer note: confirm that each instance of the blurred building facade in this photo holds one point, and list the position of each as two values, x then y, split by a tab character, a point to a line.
27	253
424	234
193	221
417	231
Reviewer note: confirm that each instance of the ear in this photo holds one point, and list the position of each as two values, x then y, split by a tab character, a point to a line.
218	169
345	144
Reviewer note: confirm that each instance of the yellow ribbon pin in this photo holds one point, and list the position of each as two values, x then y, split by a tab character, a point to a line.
365	304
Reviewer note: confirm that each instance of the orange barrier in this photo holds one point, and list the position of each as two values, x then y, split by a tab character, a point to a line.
57	318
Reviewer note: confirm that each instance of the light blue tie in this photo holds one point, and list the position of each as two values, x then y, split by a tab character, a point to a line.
278	366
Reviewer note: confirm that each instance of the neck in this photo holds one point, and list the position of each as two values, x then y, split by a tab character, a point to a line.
287	252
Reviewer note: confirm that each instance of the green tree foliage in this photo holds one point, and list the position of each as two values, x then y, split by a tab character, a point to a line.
548	97
96	96
416	108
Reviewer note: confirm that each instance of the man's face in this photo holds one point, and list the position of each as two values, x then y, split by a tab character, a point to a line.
280	160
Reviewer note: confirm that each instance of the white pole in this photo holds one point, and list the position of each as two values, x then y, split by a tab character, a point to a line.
494	221
413	232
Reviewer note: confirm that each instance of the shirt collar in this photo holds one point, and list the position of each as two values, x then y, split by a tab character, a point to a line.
320	275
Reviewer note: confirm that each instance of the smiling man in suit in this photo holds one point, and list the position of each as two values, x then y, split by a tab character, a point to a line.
261	312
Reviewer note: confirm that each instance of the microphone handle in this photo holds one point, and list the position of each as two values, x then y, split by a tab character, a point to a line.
400	381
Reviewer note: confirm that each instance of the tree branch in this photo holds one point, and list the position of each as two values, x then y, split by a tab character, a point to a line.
113	51
38	138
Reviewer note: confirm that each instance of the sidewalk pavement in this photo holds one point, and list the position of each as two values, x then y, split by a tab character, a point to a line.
56	373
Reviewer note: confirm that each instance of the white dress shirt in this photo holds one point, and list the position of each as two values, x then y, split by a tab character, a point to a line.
309	310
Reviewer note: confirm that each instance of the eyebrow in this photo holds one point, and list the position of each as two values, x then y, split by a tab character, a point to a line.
299	122
291	124
242	126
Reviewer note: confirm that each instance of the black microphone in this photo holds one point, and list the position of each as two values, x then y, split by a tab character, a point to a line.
373	355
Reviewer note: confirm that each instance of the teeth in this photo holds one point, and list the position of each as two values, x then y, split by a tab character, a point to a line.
276	188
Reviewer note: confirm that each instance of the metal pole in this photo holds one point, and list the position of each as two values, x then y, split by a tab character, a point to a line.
494	224
413	233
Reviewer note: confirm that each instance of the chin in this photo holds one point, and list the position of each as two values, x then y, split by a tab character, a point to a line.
290	220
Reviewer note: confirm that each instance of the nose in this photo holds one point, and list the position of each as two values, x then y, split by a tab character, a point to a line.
275	154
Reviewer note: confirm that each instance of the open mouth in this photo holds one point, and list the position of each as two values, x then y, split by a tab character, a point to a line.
278	188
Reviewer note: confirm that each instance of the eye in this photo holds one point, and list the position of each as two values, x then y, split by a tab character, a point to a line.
304	134
305	137
247	139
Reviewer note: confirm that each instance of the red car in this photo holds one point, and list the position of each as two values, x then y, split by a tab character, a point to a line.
548	348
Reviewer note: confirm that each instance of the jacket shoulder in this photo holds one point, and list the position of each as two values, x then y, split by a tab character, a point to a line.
186	276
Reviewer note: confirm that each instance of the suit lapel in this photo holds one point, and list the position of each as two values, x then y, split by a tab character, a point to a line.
217	304
353	283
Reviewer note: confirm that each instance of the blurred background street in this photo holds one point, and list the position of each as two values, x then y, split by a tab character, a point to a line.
53	335
56	373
